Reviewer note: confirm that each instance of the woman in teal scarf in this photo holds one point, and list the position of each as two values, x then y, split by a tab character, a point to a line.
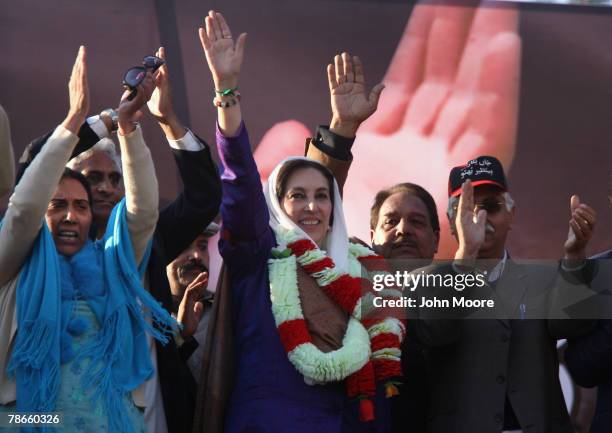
73	311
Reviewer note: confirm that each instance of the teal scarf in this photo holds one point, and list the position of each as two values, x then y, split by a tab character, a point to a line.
119	354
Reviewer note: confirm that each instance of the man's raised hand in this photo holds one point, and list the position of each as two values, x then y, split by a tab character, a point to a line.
350	103
470	227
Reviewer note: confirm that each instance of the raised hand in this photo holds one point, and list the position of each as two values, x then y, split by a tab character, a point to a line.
470	227
350	103
581	227
129	111
78	89
190	309
160	104
451	94
224	57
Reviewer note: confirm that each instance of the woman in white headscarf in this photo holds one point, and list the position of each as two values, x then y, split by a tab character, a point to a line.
294	275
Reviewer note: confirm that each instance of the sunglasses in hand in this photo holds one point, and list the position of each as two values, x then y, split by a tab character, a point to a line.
134	76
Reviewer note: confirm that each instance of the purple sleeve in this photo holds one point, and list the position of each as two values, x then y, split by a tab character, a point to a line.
243	207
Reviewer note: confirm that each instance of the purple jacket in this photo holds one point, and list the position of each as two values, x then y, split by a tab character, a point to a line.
270	395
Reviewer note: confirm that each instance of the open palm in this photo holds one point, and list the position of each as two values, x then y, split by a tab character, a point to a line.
451	94
349	100
224	57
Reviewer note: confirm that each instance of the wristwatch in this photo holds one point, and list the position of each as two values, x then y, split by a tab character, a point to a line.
113	116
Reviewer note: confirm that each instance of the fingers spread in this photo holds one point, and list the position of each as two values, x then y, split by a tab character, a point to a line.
446	42
339	65
216	24
204	39
210	29
375	95
331	77
348	67
358	69
225	30
240	43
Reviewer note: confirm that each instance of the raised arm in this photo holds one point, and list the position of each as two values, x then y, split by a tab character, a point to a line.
7	159
141	190
243	207
198	203
28	204
350	106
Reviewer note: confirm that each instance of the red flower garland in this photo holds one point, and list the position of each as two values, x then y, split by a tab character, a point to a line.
346	291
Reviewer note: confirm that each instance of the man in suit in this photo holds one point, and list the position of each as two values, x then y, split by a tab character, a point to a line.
404	225
499	374
589	358
169	397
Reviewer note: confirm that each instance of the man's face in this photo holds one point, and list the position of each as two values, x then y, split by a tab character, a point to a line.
69	217
404	229
105	180
499	220
186	267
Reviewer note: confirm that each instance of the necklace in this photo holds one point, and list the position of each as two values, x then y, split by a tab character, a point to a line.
370	348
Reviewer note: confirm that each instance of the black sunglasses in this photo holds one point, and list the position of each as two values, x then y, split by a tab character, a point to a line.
134	76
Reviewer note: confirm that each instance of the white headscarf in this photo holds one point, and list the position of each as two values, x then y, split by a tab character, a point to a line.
336	241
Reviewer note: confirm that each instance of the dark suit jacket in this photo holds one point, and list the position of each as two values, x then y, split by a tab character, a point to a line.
178	225
409	408
474	366
589	359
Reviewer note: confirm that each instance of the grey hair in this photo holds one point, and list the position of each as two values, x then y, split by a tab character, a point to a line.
105	145
453	202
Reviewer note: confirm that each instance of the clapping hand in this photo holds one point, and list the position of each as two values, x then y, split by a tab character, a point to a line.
78	89
160	104
581	227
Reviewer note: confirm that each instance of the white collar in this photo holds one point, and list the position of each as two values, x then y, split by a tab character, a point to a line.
497	271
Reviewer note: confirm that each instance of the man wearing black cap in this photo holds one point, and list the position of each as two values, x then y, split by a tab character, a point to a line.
500	373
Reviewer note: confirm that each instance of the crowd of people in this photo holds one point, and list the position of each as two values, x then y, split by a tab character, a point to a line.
107	318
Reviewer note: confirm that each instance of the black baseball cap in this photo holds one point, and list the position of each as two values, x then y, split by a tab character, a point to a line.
484	170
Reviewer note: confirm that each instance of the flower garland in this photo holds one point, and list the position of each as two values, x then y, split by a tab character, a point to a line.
371	346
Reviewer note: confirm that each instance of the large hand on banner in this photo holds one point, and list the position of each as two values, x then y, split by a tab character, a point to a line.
451	94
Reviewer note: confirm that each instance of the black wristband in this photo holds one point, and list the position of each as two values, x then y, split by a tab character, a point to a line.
332	144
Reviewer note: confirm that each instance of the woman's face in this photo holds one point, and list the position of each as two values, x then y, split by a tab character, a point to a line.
307	202
69	217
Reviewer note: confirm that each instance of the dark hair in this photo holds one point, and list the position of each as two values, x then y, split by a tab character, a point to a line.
71	174
409	188
296	164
